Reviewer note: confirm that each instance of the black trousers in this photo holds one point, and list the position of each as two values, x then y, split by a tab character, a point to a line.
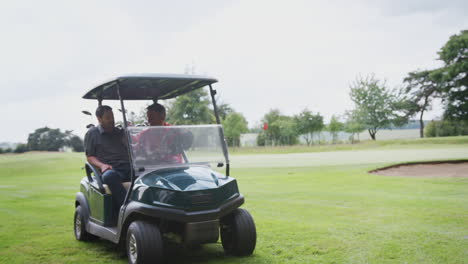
114	178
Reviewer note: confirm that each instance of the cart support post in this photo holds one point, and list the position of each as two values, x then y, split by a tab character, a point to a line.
130	154
215	107
223	139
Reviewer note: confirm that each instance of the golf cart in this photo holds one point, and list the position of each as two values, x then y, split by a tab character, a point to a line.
175	195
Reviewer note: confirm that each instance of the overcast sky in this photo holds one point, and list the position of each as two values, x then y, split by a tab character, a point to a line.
266	54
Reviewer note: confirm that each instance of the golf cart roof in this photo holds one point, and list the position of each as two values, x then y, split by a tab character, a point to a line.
149	86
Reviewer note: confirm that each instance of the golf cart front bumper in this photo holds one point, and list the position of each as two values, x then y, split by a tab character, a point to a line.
180	215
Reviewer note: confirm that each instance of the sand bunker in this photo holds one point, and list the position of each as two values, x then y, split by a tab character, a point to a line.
427	169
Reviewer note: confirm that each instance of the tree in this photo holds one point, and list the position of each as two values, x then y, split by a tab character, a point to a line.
261	139
234	125
422	87
21	148
191	109
288	130
308	124
257	128
46	139
272	134
335	127
446	128
224	109
352	125
376	106
282	129
137	119
454	76
76	143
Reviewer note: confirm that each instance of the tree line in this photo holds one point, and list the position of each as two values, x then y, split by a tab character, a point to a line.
376	107
449	83
48	139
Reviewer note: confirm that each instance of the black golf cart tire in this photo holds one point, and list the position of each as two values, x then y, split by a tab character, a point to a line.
82	234
149	243
238	233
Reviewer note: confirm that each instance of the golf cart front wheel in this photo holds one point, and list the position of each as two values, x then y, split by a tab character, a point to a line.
79	226
144	243
238	233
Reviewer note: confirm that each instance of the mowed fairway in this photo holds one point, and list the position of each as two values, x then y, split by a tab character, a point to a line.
308	208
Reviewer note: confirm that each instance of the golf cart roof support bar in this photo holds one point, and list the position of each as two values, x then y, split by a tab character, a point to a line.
213	93
127	134
226	154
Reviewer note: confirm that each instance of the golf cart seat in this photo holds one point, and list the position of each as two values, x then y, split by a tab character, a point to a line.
94	174
126	185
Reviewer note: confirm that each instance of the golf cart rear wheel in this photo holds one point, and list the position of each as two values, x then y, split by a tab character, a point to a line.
80	227
144	243
238	233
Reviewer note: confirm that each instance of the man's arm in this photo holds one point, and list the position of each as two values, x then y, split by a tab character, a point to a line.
90	151
97	163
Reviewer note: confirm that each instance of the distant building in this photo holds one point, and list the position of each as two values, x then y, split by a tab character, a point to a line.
248	140
66	149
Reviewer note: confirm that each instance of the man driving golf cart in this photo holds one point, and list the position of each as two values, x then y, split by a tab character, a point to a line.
154	139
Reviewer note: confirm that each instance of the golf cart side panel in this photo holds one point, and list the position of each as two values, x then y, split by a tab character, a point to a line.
99	206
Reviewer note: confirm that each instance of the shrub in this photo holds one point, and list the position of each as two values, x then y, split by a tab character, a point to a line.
261	139
21	148
446	128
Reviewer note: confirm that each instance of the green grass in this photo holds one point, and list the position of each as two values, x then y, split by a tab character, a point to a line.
304	214
368	144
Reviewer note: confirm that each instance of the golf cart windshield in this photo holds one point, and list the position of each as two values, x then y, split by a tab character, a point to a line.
168	146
